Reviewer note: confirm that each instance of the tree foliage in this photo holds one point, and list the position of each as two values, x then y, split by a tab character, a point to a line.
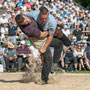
84	3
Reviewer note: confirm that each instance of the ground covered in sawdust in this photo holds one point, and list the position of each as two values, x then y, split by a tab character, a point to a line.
64	81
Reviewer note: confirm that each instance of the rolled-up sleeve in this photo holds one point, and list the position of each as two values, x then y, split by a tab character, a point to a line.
52	24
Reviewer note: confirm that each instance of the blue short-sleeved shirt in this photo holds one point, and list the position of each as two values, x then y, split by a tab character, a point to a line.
50	24
20	4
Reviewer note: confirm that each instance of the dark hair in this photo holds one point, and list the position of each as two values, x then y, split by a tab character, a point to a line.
19	19
11	23
44	11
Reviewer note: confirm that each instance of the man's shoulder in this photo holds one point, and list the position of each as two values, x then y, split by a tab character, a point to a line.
37	11
33	13
52	20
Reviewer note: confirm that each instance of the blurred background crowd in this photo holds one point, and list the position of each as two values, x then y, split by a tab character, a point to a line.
16	49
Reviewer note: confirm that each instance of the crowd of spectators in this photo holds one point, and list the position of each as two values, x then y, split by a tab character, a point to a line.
72	19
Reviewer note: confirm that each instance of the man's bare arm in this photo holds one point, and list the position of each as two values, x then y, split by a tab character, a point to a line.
43	49
43	34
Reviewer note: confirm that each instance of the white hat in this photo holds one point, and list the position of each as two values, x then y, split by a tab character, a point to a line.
3	15
83	41
22	42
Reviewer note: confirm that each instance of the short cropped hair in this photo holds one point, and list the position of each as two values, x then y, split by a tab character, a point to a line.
44	11
19	18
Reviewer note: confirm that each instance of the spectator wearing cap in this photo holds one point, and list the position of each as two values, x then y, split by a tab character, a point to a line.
10	55
78	22
8	14
12	32
77	8
22	54
3	19
60	21
5	40
12	19
66	31
5	3
12	4
69	23
74	20
65	19
52	9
